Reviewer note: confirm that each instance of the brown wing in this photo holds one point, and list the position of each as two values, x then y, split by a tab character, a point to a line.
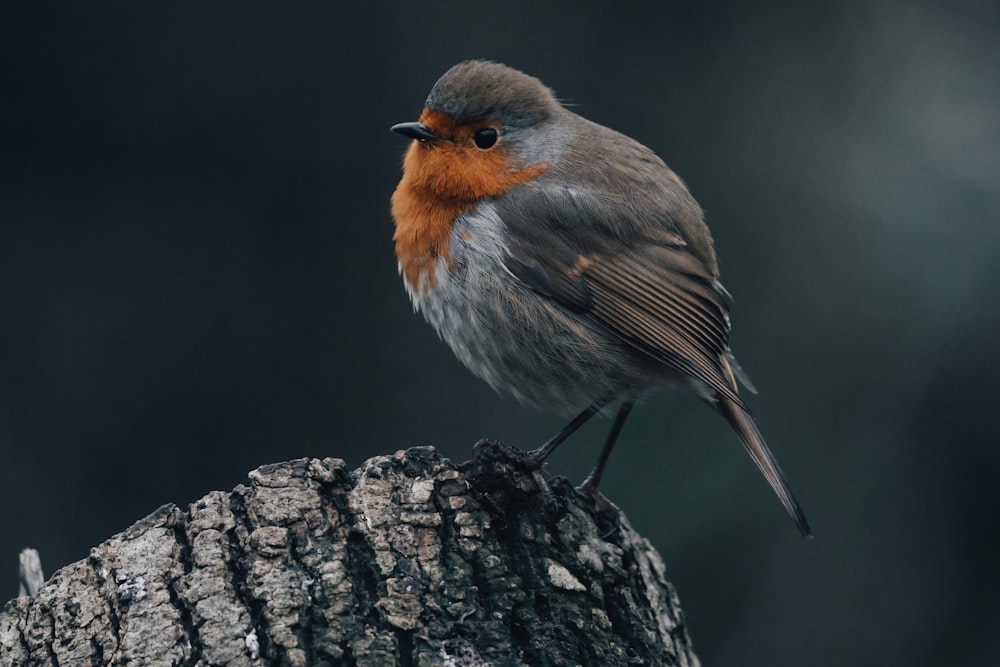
661	300
655	296
639	260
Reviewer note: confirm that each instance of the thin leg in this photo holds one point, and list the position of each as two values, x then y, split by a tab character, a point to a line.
533	461
590	484
535	458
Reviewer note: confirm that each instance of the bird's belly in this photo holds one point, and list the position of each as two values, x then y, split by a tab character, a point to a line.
524	344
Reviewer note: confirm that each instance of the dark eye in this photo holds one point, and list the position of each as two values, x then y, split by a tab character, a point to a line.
485	138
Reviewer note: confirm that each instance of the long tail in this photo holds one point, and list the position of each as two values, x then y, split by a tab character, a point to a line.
744	425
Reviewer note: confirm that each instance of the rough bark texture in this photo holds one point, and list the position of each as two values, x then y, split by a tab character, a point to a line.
408	560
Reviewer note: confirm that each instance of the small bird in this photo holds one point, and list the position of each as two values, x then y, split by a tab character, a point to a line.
563	262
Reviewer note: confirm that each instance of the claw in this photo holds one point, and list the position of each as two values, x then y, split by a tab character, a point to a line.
543	488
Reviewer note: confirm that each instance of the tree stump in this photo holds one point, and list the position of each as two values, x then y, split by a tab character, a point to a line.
408	560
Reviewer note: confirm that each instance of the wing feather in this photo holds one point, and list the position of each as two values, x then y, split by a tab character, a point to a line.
700	318
663	319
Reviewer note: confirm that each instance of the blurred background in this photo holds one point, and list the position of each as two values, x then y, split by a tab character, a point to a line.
197	278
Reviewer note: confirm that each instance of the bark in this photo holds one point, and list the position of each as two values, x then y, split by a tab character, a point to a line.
30	575
409	560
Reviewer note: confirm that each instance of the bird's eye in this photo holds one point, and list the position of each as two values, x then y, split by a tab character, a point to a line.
485	138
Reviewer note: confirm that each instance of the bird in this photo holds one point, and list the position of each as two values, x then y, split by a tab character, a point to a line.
563	262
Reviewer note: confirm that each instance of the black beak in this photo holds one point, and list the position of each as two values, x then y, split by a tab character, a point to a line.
417	131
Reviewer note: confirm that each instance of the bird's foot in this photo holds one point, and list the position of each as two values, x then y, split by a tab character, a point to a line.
607	514
601	502
526	461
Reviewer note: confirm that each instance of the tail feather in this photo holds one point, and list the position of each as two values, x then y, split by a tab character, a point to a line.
744	425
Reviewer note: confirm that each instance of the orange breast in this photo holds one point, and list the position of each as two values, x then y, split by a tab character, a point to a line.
440	182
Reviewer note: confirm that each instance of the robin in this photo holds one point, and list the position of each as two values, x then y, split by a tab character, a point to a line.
563	262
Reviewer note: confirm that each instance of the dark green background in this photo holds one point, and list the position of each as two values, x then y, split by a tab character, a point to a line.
196	278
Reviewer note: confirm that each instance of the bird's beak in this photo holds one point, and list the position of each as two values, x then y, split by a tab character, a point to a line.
417	131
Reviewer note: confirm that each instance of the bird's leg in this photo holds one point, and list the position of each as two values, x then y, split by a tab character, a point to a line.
589	485
536	457
534	460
